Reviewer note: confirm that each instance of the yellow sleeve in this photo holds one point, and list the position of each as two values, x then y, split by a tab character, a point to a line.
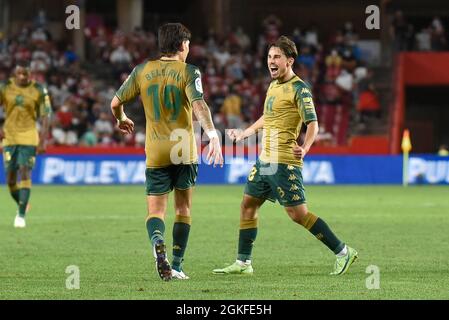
130	88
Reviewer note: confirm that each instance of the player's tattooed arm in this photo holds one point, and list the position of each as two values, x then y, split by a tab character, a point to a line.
239	134
311	133
203	115
124	124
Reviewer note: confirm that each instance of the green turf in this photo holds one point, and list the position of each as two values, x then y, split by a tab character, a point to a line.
405	232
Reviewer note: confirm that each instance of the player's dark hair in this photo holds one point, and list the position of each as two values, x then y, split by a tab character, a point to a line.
287	46
171	36
23	64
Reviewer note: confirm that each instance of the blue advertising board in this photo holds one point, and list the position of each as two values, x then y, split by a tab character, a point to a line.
130	169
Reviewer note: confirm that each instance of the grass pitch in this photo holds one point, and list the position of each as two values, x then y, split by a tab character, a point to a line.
404	232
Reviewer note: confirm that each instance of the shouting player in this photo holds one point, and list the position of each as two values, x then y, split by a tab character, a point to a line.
170	89
277	172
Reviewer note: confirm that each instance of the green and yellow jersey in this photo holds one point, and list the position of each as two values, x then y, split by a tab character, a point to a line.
287	106
23	107
167	89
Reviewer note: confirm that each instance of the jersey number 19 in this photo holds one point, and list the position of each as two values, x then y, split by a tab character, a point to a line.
172	100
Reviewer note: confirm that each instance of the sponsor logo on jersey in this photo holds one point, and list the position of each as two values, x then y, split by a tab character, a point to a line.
307	100
305	90
198	85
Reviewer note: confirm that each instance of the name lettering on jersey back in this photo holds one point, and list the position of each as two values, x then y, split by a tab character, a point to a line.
163	73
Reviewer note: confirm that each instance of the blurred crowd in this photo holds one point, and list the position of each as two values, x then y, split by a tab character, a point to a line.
234	75
407	36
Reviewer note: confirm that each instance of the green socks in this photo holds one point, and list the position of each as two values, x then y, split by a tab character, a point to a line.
156	229
322	232
181	230
14	191
247	236
24	196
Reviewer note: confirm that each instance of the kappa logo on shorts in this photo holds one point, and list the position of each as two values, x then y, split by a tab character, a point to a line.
290	167
296	197
291	177
294	187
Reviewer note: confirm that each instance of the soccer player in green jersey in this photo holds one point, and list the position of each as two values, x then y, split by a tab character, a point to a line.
170	89
277	173
25	102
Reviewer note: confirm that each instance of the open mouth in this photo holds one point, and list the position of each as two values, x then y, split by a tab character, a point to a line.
274	69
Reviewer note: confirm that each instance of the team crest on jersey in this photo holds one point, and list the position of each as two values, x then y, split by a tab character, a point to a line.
19	100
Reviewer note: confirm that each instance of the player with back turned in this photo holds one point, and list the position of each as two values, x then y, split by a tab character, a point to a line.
170	89
277	173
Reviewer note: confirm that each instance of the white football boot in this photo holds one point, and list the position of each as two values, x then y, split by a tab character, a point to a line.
179	275
19	222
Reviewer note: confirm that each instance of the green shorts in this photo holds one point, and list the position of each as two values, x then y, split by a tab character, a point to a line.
19	156
163	180
276	181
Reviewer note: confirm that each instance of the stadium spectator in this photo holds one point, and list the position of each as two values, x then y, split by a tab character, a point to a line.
368	104
399	31
89	138
423	40
443	151
243	40
438	36
231	109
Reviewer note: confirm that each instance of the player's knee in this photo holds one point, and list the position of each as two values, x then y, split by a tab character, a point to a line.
24	173
183	210
296	215
297	219
11	181
248	210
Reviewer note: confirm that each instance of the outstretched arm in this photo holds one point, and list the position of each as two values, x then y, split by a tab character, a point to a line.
239	134
202	113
